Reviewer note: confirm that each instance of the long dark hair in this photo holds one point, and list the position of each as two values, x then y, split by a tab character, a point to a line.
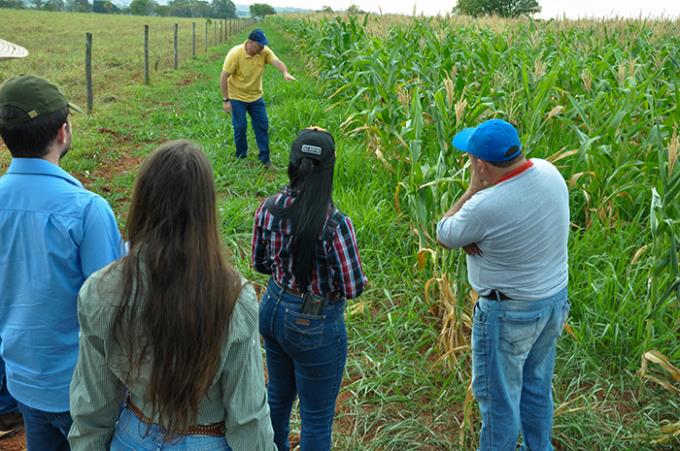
178	290
313	185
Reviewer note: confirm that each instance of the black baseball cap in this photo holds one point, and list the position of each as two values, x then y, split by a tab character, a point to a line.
33	95
314	143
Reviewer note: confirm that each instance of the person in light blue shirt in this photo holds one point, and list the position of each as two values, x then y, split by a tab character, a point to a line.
54	234
10	418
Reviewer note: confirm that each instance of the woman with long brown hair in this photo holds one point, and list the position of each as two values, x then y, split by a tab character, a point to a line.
170	331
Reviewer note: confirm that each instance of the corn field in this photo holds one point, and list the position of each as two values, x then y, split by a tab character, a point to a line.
598	99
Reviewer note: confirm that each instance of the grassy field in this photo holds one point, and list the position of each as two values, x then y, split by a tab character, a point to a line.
393	101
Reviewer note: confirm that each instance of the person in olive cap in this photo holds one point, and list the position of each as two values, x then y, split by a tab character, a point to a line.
309	249
54	234
513	222
10	418
241	85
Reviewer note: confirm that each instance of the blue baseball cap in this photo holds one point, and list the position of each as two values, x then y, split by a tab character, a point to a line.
258	36
494	141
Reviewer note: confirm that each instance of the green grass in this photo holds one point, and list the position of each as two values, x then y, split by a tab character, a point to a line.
398	393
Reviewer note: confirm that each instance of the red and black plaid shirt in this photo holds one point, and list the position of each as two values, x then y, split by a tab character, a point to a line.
337	266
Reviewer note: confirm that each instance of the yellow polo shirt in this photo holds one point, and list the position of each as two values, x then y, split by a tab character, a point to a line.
245	79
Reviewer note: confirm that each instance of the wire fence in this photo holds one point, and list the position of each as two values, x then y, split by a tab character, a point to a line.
155	55
122	53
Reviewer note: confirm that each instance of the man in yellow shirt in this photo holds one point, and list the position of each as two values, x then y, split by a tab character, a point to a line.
241	84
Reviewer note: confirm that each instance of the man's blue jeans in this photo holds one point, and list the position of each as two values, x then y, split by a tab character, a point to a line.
7	402
132	434
260	121
513	358
305	357
46	431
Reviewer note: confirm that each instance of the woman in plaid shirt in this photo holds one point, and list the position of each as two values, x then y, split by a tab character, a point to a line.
308	247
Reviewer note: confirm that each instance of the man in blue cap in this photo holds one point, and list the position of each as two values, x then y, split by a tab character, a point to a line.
55	233
513	223
241	85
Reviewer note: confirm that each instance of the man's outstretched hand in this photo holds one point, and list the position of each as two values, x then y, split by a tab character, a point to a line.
289	77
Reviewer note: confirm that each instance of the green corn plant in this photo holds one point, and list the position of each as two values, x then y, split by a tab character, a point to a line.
664	275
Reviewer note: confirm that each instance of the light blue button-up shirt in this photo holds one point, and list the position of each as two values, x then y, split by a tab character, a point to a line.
53	235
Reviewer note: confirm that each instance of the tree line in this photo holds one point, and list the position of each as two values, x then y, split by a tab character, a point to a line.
225	9
220	9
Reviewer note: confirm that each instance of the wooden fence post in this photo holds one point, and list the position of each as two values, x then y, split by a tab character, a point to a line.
146	54
175	46
88	71
193	39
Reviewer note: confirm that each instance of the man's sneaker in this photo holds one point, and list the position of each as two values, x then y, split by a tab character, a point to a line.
269	166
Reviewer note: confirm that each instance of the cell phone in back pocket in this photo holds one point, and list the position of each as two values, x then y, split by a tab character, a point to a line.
312	305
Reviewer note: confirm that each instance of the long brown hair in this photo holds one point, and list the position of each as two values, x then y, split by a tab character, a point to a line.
178	290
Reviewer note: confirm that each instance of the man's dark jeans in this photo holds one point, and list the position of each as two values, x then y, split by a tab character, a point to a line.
46	431
260	121
7	402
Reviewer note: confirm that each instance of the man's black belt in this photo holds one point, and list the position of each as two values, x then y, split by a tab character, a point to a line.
497	295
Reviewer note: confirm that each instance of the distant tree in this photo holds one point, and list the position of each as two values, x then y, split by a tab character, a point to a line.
54	5
502	8
224	9
78	6
14	4
327	10
260	10
200	8
354	9
187	8
37	4
104	7
142	7
162	10
180	8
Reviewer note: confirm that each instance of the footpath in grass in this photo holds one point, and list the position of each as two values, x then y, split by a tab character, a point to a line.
397	393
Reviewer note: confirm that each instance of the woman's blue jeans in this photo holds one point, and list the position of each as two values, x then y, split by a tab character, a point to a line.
132	434
260	121
513	358
305	357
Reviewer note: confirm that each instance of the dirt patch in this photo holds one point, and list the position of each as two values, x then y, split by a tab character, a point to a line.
118	136
113	168
294	440
108	170
14	442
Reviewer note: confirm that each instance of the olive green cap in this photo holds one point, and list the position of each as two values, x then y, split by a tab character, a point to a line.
33	95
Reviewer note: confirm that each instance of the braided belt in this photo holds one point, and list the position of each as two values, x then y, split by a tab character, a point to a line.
215	429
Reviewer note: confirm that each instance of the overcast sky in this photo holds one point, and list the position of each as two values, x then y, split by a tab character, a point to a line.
550	8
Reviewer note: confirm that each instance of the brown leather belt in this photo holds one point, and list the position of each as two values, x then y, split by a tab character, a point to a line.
215	429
